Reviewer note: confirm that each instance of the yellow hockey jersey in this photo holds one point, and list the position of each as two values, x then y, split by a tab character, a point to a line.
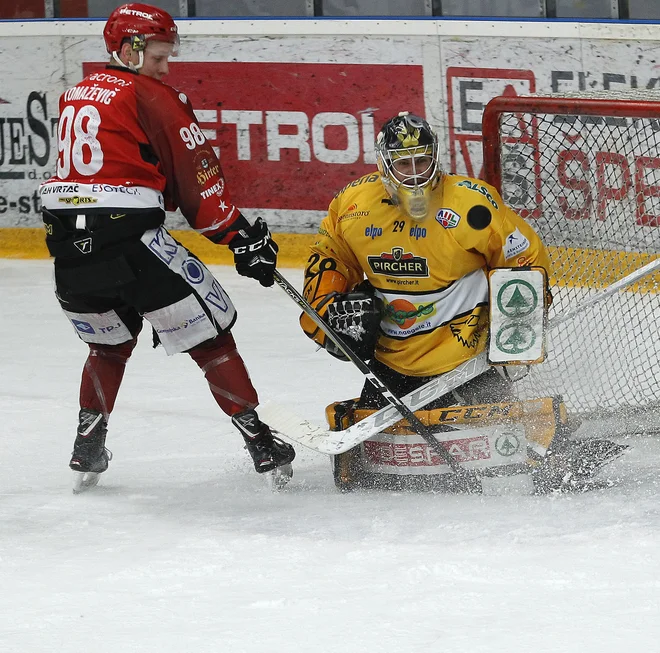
431	275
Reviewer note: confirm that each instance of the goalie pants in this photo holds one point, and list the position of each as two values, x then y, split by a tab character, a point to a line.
489	387
106	294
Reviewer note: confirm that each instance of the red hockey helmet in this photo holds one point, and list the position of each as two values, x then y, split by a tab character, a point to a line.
139	23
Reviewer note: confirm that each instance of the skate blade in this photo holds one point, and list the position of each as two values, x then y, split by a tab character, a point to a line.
280	477
84	481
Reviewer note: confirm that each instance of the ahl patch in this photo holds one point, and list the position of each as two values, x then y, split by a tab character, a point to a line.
448	218
515	244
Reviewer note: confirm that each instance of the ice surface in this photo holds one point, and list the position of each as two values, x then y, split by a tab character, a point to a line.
183	548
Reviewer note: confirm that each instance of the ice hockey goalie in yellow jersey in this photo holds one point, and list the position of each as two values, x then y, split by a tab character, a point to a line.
424	240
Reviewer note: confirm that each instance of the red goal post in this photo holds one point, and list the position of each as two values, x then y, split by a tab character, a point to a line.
584	170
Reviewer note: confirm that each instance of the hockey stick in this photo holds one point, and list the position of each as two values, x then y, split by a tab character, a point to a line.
420	428
320	439
317	437
622	283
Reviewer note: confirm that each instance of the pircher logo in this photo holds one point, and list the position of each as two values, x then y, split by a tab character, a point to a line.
399	264
468	331
77	200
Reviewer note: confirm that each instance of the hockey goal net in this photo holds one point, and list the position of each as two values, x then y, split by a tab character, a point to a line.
584	170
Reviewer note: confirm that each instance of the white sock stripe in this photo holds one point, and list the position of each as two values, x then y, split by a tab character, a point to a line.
96	382
220	360
232	397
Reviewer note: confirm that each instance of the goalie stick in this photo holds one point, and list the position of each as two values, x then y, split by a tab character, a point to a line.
317	437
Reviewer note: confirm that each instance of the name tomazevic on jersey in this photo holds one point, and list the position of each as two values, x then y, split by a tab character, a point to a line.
152	126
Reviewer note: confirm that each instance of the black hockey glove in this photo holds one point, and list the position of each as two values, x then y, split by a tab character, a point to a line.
356	317
255	252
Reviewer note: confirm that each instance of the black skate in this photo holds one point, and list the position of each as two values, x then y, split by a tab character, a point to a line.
269	453
573	466
90	457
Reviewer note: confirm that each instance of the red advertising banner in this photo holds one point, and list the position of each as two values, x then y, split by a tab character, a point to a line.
292	134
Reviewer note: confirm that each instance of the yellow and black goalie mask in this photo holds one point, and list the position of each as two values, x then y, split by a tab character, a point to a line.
408	160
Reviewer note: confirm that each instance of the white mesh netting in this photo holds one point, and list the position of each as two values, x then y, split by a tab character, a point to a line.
584	170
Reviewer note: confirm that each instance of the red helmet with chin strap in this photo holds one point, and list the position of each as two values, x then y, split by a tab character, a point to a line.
139	23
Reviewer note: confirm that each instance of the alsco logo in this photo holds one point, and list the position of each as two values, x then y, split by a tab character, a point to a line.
478	188
399	264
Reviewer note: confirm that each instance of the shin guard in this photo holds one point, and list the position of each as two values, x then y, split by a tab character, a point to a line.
226	374
102	375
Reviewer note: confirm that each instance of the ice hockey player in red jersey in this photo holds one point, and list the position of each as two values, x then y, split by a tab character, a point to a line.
130	148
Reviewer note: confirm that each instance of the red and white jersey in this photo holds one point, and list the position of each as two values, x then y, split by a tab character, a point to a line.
128	141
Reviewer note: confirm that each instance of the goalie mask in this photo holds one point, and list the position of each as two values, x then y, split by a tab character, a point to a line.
408	160
139	24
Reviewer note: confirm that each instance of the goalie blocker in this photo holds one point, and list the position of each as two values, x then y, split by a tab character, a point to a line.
518	302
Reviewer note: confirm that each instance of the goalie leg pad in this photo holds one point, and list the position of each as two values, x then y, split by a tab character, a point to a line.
347	467
497	439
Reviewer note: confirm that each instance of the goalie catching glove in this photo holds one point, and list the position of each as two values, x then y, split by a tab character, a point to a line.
355	317
255	253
